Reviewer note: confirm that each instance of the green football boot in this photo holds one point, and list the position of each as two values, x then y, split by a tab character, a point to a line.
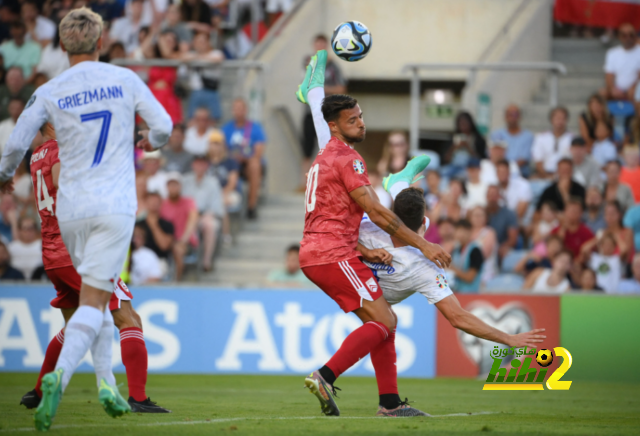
111	400
314	76
414	167
51	396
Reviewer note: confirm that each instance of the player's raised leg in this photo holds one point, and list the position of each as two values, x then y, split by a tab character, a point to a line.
311	92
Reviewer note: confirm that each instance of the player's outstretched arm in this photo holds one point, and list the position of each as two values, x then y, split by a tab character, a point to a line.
388	221
152	112
469	323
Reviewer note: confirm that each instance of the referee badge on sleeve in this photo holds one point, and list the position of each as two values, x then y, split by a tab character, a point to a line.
358	166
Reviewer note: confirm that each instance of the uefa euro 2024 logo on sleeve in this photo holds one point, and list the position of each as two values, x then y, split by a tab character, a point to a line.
520	376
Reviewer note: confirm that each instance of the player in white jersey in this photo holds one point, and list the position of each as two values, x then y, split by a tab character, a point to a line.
92	106
401	269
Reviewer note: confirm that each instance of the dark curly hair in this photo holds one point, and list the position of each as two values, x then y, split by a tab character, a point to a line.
334	104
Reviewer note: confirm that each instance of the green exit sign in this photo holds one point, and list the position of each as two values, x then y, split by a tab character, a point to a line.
440	111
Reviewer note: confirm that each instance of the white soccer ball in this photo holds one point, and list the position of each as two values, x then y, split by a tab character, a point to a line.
351	41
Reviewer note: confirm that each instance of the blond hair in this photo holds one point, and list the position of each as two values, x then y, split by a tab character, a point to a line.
80	31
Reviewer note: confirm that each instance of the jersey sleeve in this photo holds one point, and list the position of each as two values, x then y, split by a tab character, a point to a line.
156	117
431	281
33	117
352	171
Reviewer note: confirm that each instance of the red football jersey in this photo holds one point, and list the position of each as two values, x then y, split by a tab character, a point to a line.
54	252
332	218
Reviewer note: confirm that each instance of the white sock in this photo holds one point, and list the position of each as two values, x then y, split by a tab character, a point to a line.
397	188
80	333
315	97
101	350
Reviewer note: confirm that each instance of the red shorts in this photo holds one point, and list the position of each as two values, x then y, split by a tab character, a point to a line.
67	282
347	282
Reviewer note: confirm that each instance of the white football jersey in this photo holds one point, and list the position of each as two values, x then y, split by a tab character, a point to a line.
92	106
409	272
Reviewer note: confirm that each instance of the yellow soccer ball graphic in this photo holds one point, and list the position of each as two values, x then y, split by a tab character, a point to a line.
544	357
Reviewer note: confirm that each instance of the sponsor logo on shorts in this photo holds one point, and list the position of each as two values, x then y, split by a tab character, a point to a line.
373	285
358	166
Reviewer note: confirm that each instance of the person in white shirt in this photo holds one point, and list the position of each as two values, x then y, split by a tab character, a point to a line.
476	189
622	66
196	138
92	106
603	150
15	108
607	264
152	163
53	60
551	146
497	151
126	29
26	251
39	29
515	191
145	264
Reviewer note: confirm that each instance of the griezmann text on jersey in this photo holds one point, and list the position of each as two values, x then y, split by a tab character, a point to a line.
86	97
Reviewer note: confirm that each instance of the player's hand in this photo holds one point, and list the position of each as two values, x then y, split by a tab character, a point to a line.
527	339
7	187
437	255
378	255
144	143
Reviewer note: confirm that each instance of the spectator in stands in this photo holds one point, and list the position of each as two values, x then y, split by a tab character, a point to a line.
476	189
497	152
26	250
588	280
540	256
547	222
116	51
515	191
632	134
182	212
594	214
126	29
246	140
395	154
467	143
518	140
7	272
152	163
503	221
196	139
204	81
39	29
9	12
606	263
15	108
8	218
571	229
109	10
563	188
162	80
451	204
196	11
159	232
614	190
586	171
603	150
291	274
14	87
622	66
486	238
177	158
630	173
552	279
19	52
433	195
334	83
614	226
53	60
632	285
467	260
631	221
205	190
446	233
275	8
145	264
596	112
227	171
551	146
174	22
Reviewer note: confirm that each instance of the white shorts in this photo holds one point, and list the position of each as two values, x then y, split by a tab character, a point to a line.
98	247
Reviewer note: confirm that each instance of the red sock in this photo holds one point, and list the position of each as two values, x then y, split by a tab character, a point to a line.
134	358
383	358
357	345
50	358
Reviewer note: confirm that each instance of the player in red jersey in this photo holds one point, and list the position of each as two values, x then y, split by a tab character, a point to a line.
338	193
45	169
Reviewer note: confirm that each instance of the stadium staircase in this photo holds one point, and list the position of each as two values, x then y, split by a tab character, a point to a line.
584	59
260	246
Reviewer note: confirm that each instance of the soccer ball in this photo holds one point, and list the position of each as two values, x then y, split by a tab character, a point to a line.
351	41
544	357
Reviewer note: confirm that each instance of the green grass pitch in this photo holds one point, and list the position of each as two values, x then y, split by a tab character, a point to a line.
274	405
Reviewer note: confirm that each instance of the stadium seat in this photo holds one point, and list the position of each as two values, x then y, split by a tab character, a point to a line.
511	260
504	283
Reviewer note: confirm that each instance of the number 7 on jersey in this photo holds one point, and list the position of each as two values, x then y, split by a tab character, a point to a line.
104	133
